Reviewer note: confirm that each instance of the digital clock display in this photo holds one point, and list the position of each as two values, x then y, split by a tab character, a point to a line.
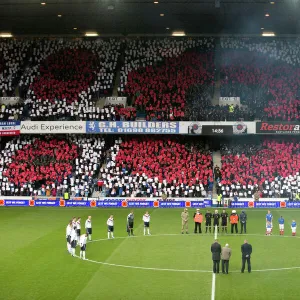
217	129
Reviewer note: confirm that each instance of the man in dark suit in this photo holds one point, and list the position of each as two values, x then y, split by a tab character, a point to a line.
216	256
246	255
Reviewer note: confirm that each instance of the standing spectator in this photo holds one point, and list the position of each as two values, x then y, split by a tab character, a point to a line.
216	256
219	199
243	221
198	218
185	221
234	218
246	256
225	256
256	196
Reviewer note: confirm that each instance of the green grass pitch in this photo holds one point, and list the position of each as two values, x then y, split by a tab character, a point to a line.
34	263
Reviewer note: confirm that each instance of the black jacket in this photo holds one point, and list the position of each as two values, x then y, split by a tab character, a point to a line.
216	251
246	250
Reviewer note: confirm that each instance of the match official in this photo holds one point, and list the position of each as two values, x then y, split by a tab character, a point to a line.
208	217
224	220
216	217
246	256
225	256
216	256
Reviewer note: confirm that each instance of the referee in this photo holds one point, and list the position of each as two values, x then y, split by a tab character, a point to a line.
208	217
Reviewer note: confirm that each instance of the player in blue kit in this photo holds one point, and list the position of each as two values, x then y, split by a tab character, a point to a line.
294	227
281	225
269	218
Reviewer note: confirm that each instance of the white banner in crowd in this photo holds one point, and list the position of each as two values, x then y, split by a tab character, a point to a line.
116	100
230	100
9	100
64	127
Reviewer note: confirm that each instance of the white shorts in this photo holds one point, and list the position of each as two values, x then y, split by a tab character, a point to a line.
293	229
271	225
281	226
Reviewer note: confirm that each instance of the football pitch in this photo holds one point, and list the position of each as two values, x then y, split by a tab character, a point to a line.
34	263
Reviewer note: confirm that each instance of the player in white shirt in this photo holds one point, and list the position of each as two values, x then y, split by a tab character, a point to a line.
82	242
74	222
88	227
68	236
73	241
110	227
78	229
146	219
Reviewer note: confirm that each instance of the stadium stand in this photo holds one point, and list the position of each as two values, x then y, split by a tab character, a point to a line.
50	166
63	76
270	167
157	167
158	72
12	62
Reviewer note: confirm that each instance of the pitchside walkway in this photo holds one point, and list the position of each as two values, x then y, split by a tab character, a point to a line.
216	162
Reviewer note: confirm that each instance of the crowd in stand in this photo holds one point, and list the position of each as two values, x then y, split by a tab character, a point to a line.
51	166
157	74
63	77
12	58
157	167
270	167
11	112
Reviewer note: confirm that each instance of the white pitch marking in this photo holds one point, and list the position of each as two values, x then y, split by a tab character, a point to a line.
181	270
213	282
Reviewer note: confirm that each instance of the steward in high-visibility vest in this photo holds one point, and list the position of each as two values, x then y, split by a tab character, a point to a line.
234	219
298	196
231	108
66	196
219	199
198	218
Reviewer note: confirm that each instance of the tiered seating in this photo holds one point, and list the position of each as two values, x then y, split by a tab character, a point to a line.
158	73
156	167
270	90
34	166
271	167
12	57
65	75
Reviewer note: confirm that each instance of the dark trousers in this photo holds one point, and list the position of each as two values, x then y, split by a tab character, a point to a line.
243	227
234	226
208	226
225	266
244	259
197	225
216	266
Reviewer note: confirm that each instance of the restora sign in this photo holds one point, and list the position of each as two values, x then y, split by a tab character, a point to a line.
48	127
278	127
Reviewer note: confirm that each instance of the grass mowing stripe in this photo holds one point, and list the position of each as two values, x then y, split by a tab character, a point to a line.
108	258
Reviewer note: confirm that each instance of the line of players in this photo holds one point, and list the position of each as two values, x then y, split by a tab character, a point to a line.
269	225
74	236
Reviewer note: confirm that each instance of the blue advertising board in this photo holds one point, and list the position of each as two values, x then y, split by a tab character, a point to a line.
132	127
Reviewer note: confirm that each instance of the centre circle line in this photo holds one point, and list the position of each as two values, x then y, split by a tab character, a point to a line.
183	270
